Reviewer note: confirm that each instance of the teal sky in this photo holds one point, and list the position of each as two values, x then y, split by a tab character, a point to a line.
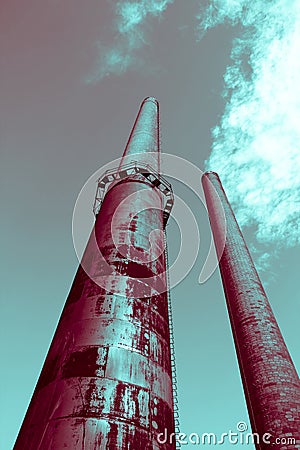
72	80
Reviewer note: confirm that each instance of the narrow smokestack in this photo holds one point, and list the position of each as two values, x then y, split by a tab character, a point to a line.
144	137
107	379
271	384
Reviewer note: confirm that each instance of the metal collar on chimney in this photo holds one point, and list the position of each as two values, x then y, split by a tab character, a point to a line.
140	171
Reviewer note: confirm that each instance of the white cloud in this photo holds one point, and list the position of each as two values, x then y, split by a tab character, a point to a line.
256	147
130	37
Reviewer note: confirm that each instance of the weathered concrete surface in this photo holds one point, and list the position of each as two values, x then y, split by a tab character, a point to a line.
106	382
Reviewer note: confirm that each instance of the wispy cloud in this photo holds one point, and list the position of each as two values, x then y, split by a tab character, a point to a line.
256	147
131	17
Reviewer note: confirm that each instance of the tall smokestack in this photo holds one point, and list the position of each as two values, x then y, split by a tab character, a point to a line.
143	143
107	379
271	384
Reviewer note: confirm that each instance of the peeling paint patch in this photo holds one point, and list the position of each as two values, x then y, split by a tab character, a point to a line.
86	362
